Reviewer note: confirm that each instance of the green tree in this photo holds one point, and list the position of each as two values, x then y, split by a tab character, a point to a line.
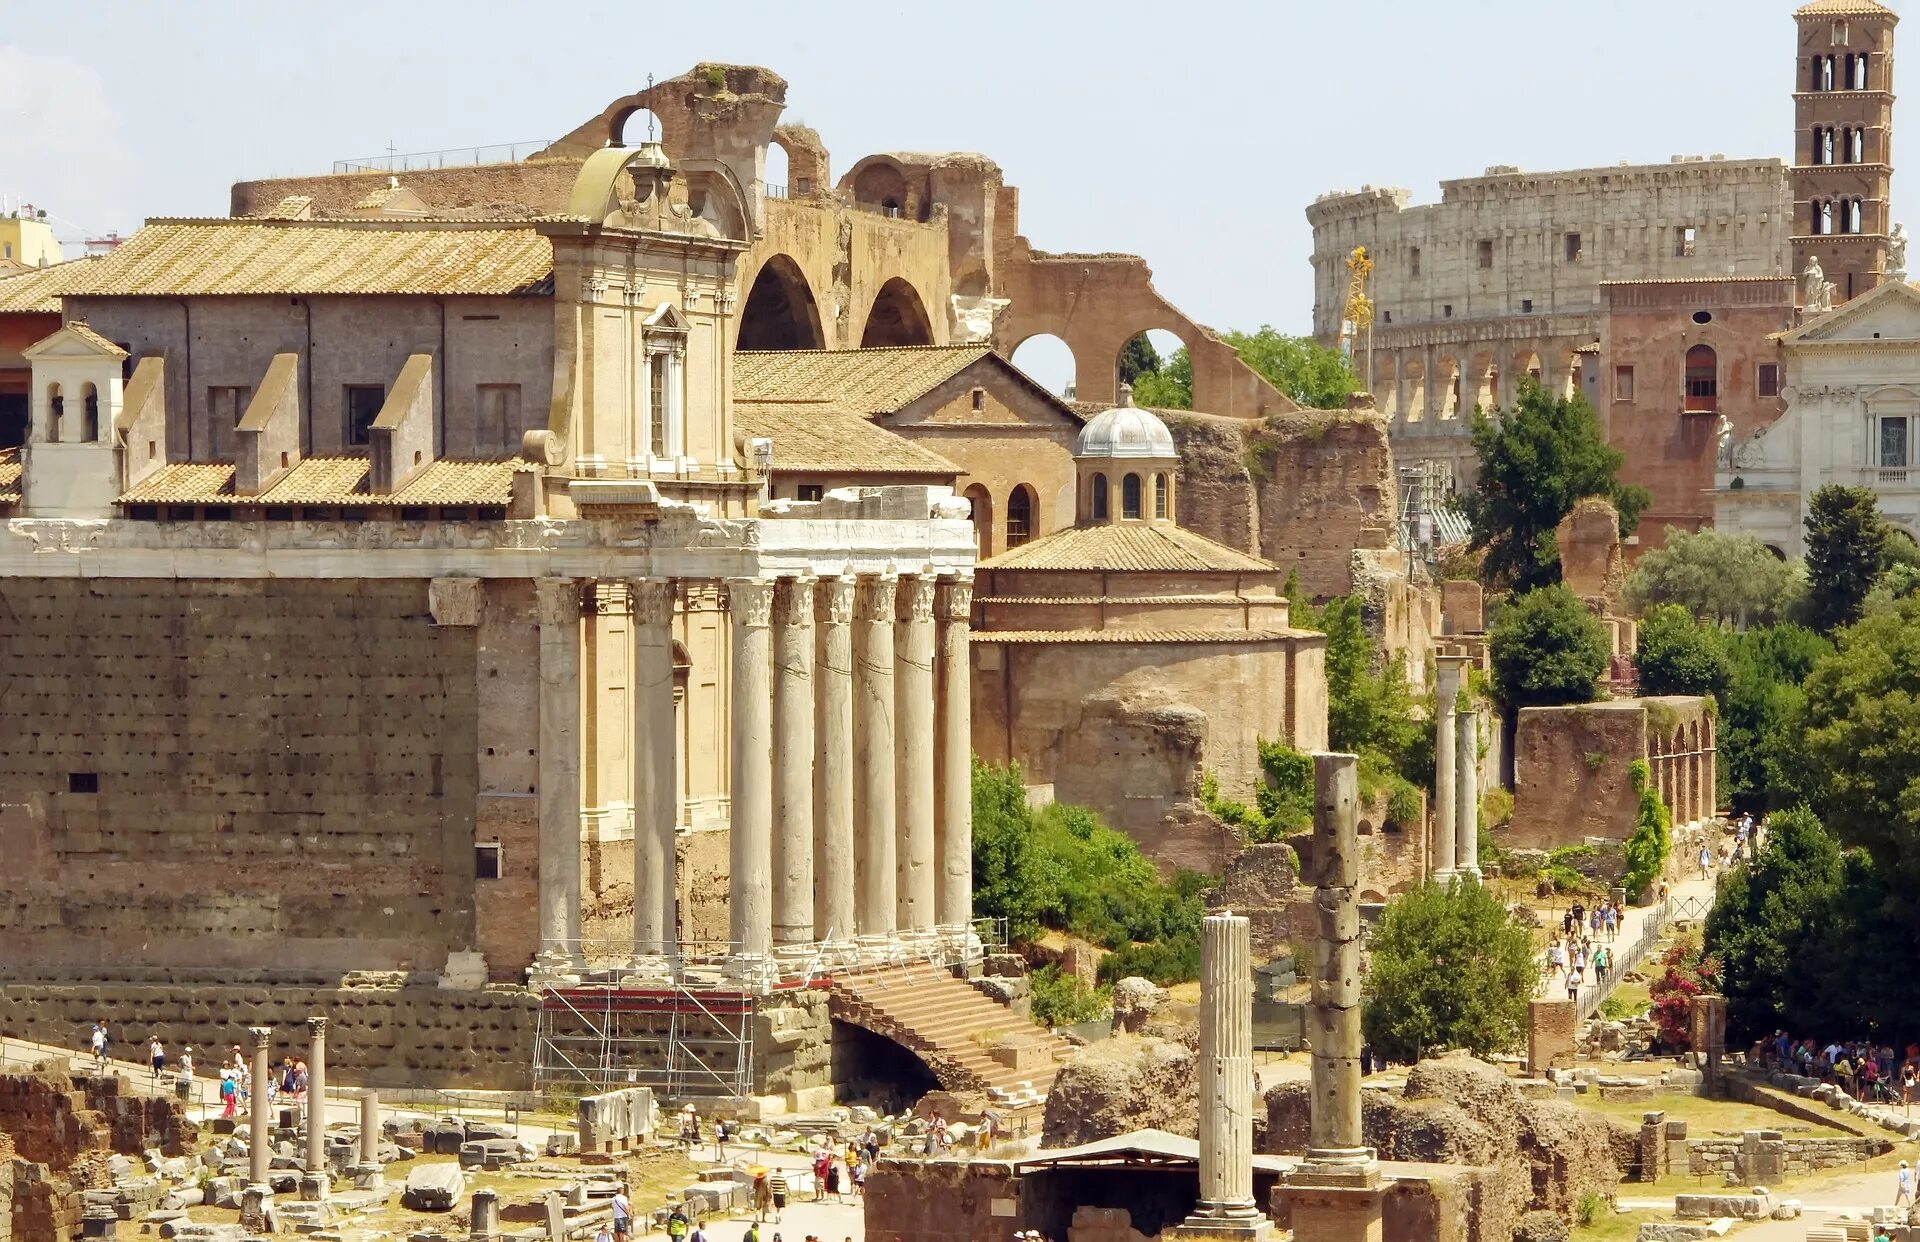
1729	579
1859	739
1170	387
1647	848
1009	880
1313	375
1547	649
1763	918
1450	969
1138	357
1536	461
1847	547
1678	655
1761	700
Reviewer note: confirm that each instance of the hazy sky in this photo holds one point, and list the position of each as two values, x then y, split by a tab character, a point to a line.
1193	134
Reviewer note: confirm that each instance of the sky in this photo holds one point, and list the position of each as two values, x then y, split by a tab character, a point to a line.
1194	134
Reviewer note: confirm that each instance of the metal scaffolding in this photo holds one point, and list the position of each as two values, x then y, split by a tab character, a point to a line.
682	1042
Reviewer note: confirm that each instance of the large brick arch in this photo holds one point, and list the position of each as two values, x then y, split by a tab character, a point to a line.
897	316
780	309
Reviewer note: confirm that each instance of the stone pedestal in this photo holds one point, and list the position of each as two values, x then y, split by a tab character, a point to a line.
750	852
315	1183
834	917
256	1208
485	1225
656	808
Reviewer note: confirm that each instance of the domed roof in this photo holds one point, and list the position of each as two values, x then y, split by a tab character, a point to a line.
1126	431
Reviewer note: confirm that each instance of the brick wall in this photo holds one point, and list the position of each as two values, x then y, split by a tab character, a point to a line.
1799	1156
247	774
1550	1034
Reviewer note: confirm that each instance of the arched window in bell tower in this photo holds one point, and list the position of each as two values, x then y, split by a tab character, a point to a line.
1099	497
1160	496
1130	497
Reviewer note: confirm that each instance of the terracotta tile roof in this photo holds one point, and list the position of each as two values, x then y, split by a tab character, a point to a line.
1843	8
80	329
819	437
1135	636
37	290
9	478
186	258
330	481
292	207
870	381
1148	546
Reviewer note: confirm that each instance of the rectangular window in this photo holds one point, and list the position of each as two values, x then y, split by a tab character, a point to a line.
1484	255
1447	311
1526	306
1683	237
497	417
812	491
1893	443
486	860
979	399
83	782
225	408
363	406
1414	255
1623	383
1386	316
657	404
1573	247
1769	383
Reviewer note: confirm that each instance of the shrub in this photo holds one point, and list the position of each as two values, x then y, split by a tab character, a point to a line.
1646	850
1061	1000
1163	961
1496	807
1404	807
1547	649
1451	968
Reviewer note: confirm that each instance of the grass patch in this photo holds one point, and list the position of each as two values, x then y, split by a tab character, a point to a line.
1703	1117
1612	1226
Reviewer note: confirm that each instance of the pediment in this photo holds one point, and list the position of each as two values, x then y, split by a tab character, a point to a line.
1015	401
1889	313
666	319
75	340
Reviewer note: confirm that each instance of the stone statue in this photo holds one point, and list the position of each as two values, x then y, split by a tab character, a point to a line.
1897	253
1816	289
1723	435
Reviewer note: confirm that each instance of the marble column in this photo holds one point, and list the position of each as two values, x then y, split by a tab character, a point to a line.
559	772
1466	792
834	919
366	1172
1225	1073
916	884
656	779
1334	1193
259	1142
953	753
873	757
1449	672
793	710
750	852
314	1184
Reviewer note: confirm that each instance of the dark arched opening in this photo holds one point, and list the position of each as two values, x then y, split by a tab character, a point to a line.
89	413
1703	379
1130	497
871	1068
982	501
1099	497
780	311
1159	495
897	318
1019	515
882	187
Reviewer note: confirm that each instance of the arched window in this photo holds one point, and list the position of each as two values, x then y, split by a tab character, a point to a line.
1130	497
1822	144
1823	217
1099	497
1857	147
90	416
1823	80
1019	515
1849	215
56	410
1858	74
982	502
1703	379
1159	495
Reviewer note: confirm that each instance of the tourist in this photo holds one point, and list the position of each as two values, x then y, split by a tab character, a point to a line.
157	1058
860	1178
1904	1194
833	1177
97	1042
229	1092
1556	958
1573	989
677	1223
699	1233
689	1128
762	1195
605	1234
1610	919
622	1214
1706	861
777	1191
752	1234
721	1133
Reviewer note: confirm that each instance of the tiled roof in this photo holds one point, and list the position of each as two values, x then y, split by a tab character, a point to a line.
9	478
186	258
1842	8
870	381
819	437
1133	636
1147	546
330	481
37	290
80	329
292	207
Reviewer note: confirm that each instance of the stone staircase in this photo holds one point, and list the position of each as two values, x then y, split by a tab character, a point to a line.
970	1041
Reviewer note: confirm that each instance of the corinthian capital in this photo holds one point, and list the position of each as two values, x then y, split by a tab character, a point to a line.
751	600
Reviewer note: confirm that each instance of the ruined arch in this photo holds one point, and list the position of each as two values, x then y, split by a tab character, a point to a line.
631	125
1387	377
1166	343
880	185
1048	361
1448	375
780	311
806	159
897	317
1481	389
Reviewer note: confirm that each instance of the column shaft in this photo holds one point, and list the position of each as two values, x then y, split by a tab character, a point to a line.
656	783
559	765
917	884
793	709
833	833
259	1149
370	1128
1466	792
317	1096
1333	1016
1226	1067
1446	683
750	853
953	828
873	790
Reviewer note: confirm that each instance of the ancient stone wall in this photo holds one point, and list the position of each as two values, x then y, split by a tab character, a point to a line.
1570	773
502	190
380	1036
941	1201
260	774
54	1119
1794	1157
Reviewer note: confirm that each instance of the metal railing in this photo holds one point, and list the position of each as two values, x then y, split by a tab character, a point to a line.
1652	927
450	157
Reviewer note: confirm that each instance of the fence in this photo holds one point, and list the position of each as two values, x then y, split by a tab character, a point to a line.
451	157
1652	927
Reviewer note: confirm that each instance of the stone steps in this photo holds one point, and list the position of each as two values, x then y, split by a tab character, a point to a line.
948	1024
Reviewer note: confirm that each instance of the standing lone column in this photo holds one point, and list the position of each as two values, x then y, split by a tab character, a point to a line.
366	1172
833	900
1466	792
259	1141
1226	1081
913	695
1448	671
793	710
873	759
953	778
750	853
656	796
314	1184
559	773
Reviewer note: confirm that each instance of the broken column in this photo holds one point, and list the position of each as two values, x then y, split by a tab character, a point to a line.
1226	1207
1448	673
366	1171
1334	1193
256	1202
1466	791
314	1184
486	1215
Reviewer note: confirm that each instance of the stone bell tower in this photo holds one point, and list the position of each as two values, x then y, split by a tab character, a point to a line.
1843	141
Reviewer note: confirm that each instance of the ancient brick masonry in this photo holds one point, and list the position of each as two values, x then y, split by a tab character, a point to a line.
55	1135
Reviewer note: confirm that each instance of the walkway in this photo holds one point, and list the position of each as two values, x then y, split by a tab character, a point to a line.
1635	940
1854	1195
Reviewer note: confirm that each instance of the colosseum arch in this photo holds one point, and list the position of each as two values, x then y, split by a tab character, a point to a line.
1413	384
1481	390
780	312
1447	402
1386	379
897	317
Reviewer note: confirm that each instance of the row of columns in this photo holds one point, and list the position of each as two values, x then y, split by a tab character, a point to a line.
1685	770
1455	844
315	1181
850	776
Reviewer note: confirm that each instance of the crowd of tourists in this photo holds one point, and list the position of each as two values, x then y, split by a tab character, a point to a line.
1584	945
1863	1069
286	1082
